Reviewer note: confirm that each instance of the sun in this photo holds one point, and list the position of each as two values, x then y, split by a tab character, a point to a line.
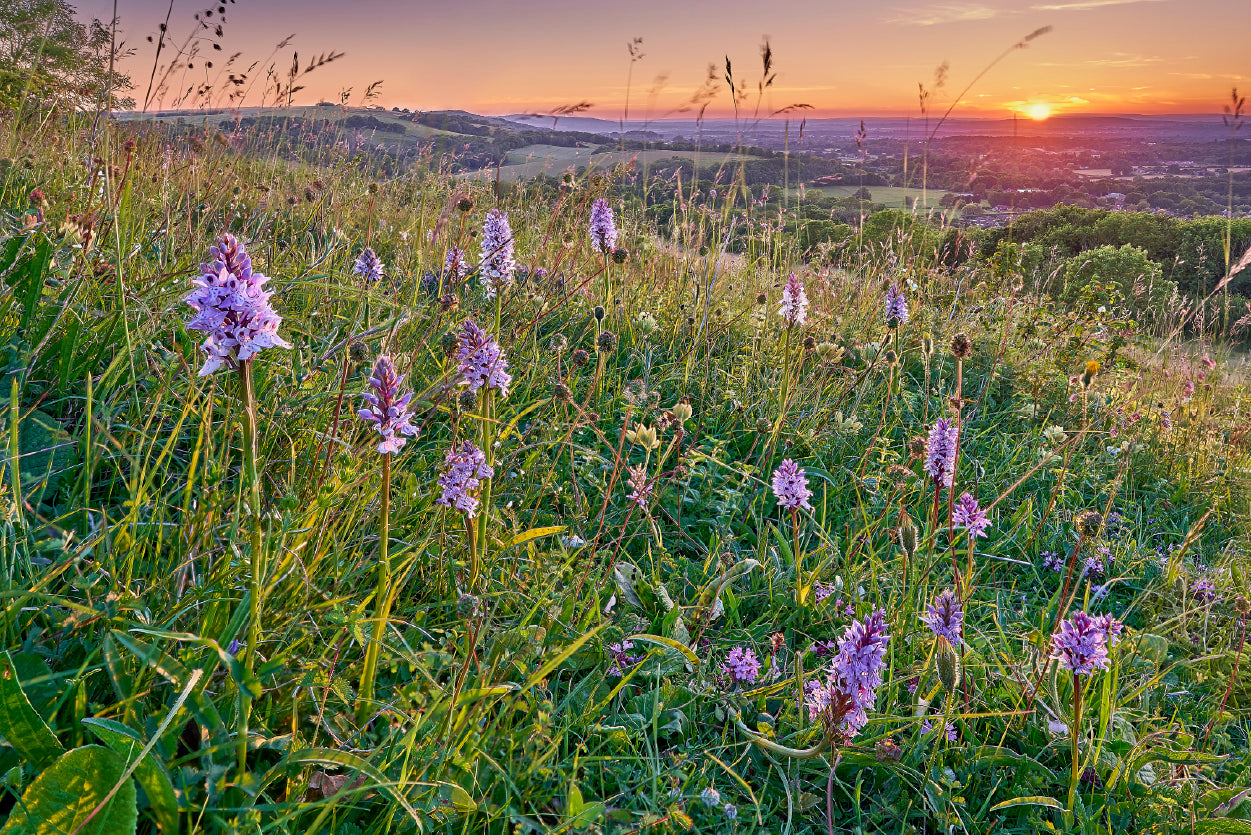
1038	111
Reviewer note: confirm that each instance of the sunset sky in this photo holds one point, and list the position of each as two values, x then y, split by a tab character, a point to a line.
847	59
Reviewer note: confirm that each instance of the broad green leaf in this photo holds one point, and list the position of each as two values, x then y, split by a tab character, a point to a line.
150	772
62	798
1232	826
20	725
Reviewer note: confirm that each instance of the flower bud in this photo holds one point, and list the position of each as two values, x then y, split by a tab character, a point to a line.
947	661
606	342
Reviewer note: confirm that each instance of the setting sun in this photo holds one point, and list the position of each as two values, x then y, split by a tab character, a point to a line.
1038	111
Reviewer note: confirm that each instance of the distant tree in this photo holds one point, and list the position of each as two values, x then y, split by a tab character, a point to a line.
1106	274
863	194
50	59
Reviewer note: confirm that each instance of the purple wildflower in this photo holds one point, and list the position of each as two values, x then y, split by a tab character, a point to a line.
637	481
603	228
1204	590
369	266
855	675
822	649
794	307
1112	629
1052	560
621	658
949	729
824	590
466	469
455	264
742	665
1081	645
790	485
817	698
387	409
496	264
896	308
966	514
945	617
482	362
940	452
1097	563
232	308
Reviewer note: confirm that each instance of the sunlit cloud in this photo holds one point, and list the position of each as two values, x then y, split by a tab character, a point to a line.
944	13
1086	5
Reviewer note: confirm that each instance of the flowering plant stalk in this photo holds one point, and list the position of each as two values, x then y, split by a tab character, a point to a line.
247	393
232	307
387	409
794	311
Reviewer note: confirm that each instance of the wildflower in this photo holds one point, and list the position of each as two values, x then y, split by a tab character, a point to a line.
856	673
482	362
940	452
1090	373
606	342
232	308
1205	590
824	590
742	665
794	308
945	617
790	485
637	481
387	409
711	797
1052	560
603	229
1112	629
369	266
948	729
466	469
455	264
234	647
1081	645
896	308
496	264
1054	435
817	698
621	658
730	811
969	516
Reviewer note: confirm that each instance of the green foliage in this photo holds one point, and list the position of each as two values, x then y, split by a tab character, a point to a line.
64	798
1106	275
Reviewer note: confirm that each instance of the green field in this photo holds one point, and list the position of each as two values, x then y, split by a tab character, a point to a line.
554	160
889	196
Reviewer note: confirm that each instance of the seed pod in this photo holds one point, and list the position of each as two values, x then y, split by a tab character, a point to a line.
947	660
909	536
961	346
1088	523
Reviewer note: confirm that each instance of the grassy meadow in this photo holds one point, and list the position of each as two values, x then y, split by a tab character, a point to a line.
225	610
